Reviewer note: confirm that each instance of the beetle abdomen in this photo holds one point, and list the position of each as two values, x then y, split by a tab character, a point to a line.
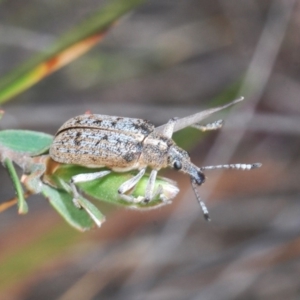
96	148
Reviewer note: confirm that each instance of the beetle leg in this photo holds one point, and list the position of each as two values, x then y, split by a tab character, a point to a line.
169	128
150	186
127	185
89	176
210	126
149	193
160	193
84	178
196	118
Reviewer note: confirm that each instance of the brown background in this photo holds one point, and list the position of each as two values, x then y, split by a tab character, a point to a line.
168	58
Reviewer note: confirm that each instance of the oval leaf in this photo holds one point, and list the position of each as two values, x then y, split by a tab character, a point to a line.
63	204
25	141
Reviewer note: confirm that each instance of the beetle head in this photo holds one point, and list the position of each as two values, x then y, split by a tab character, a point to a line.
179	159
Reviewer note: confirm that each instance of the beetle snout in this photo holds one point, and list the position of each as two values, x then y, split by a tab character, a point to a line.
199	178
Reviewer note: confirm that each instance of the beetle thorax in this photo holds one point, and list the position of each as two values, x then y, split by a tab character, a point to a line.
155	151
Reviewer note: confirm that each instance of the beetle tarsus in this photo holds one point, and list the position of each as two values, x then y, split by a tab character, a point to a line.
146	200
76	203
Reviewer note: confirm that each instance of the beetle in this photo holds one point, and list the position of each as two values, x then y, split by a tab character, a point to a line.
123	144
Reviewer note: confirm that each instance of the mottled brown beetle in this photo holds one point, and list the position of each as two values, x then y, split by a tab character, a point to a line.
124	144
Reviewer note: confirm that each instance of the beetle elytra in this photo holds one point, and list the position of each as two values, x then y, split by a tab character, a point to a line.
123	144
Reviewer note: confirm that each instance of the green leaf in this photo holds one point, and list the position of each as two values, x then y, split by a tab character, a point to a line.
63	204
25	141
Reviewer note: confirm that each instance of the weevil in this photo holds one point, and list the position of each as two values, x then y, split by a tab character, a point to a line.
123	144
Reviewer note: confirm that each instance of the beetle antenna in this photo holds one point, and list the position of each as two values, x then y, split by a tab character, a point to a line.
201	203
233	166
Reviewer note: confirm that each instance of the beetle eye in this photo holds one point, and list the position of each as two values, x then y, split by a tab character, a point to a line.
177	165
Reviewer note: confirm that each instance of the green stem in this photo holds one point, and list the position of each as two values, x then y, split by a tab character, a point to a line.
23	207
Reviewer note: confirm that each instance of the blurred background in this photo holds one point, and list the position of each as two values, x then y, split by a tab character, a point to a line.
166	59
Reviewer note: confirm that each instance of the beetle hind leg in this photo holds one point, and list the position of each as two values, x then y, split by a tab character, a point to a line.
84	178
